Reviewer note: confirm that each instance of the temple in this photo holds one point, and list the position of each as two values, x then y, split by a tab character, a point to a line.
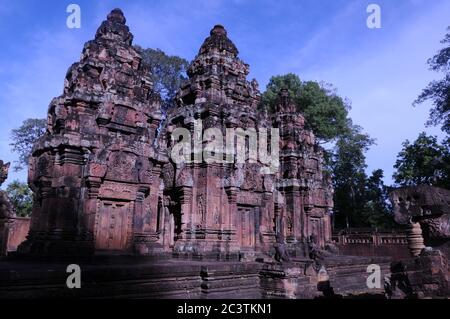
212	199
105	181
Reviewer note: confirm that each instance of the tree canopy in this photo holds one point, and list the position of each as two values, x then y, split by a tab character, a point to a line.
348	164
325	112
168	72
438	91
377	212
425	161
21	198
23	139
359	200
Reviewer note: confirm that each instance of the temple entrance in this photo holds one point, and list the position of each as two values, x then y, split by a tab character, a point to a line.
247	225
112	226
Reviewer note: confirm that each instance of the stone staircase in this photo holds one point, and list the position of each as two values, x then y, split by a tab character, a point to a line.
231	280
293	280
348	275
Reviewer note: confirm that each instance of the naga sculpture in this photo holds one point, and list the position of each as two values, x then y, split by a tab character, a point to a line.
427	206
426	211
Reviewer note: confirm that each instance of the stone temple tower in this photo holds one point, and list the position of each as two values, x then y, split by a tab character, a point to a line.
306	188
225	207
95	173
108	178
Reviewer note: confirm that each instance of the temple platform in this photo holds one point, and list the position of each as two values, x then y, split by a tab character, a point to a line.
132	277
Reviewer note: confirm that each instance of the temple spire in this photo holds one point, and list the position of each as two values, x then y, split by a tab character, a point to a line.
116	16
114	28
218	40
285	104
218	76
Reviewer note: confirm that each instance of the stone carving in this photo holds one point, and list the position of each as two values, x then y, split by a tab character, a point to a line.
93	171
281	254
104	165
428	206
426	211
218	76
218	93
415	239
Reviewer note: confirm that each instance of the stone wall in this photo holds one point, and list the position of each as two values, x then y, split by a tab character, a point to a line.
13	232
13	229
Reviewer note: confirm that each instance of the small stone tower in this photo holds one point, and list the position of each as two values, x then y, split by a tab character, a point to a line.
95	173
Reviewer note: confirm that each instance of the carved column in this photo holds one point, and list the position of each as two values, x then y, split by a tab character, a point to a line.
415	239
140	237
185	201
231	222
90	207
297	214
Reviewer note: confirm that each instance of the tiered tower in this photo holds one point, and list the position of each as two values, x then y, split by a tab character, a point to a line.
107	175
306	188
95	173
225	206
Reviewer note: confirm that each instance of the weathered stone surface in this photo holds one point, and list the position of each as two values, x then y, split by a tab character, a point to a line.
6	209
106	180
95	173
425	276
305	188
292	280
430	207
4	168
426	209
13	229
239	208
103	180
370	242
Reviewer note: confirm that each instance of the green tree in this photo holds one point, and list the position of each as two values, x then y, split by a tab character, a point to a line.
439	91
325	112
377	212
425	161
349	177
23	139
21	198
168	72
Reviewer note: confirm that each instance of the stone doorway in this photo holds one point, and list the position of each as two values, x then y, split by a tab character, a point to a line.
247	225
112	226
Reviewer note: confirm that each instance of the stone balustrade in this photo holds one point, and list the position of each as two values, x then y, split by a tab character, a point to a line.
370	242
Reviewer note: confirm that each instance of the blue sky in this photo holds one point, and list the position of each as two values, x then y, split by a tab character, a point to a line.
380	70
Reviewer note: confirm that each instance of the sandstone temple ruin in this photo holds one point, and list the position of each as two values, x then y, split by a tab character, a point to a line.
108	184
104	179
